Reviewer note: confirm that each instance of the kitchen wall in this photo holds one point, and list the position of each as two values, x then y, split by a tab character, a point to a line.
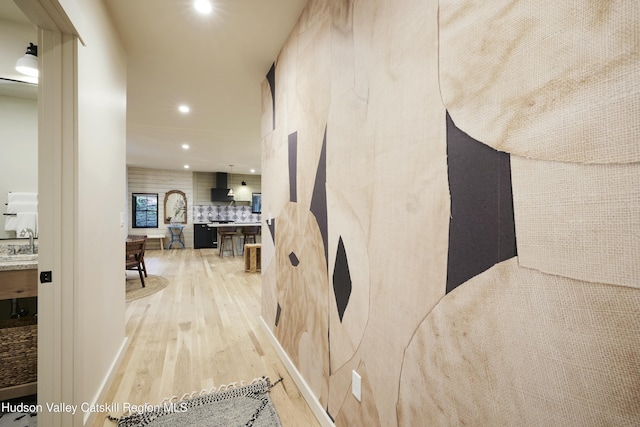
203	182
454	190
196	186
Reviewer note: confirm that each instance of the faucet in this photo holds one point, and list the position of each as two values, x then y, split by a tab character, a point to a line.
28	231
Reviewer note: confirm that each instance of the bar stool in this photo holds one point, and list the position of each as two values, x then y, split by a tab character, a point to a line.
226	235
249	234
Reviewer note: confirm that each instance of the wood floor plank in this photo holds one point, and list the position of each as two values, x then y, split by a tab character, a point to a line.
201	331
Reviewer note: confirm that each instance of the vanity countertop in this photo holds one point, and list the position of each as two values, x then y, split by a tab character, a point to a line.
18	265
18	262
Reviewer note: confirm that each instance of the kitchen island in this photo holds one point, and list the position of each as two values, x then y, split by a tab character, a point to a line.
206	234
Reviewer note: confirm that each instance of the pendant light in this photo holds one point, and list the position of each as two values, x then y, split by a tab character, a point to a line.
230	193
28	64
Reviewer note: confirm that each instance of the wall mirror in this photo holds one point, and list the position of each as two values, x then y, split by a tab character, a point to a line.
175	207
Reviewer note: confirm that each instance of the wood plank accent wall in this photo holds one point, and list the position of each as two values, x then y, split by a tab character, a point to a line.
142	180
203	182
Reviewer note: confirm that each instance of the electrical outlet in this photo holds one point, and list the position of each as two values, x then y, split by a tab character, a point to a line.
356	385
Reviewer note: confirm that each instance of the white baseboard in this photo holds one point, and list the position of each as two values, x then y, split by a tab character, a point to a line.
89	417
317	409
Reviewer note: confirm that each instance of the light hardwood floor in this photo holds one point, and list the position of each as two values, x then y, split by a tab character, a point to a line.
201	331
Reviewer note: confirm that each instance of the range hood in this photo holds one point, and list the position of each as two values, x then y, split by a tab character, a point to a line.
219	193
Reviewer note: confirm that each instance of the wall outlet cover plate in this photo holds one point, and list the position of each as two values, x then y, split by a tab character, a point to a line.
356	385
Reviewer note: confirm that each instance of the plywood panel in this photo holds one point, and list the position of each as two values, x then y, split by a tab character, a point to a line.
549	80
367	71
302	292
386	157
346	333
514	346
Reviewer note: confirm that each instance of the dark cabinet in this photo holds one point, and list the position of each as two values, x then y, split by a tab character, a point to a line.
204	237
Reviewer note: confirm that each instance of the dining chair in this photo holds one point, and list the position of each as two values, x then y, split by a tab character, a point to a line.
140	237
133	257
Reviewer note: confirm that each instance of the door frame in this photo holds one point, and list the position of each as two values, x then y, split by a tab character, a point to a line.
58	375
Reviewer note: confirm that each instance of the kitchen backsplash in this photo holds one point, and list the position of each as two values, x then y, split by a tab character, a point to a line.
207	213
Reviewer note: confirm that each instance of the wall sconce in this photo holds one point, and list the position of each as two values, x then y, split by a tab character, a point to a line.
28	64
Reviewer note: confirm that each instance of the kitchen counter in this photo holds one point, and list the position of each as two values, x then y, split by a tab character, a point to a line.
233	224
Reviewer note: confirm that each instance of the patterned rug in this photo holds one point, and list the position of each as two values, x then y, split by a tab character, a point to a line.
152	284
19	419
229	406
19	412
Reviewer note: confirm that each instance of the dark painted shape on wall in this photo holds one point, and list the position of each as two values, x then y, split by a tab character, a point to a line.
294	259
341	279
272	229
293	167
278	311
481	226
271	78
319	199
507	243
330	416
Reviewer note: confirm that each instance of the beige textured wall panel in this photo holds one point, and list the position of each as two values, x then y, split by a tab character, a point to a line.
303	295
550	80
346	334
578	221
514	346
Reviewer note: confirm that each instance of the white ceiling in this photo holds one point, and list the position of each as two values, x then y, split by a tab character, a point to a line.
214	63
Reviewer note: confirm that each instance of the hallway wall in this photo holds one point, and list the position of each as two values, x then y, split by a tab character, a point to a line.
450	217
100	180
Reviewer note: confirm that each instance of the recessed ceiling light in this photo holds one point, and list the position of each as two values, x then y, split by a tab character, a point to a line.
253	171
185	146
186	166
203	6
184	109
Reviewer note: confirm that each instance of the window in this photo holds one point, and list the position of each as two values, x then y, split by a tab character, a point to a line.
145	210
256	202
